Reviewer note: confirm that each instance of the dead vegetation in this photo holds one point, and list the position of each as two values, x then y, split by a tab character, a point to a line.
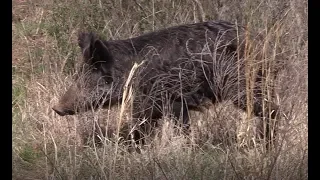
219	146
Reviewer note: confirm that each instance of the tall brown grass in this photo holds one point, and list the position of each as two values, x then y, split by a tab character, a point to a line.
45	56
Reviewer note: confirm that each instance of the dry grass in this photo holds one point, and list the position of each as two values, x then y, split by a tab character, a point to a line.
45	56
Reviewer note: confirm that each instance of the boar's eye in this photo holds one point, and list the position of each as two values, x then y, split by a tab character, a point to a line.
103	81
108	79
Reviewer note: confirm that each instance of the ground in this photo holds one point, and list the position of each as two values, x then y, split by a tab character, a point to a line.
45	55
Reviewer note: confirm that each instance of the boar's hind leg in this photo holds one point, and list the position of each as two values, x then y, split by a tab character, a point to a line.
266	127
269	117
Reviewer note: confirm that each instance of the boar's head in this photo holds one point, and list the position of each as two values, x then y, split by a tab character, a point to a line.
93	83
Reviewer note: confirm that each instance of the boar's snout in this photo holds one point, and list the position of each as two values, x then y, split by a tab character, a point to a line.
66	104
62	111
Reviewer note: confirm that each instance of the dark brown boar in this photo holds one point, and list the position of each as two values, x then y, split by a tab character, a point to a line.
183	67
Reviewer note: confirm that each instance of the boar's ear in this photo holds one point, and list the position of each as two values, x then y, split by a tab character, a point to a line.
102	59
84	41
94	51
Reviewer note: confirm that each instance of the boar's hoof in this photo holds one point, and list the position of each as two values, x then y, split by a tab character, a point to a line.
62	112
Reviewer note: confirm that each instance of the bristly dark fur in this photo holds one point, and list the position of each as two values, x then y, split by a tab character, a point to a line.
184	67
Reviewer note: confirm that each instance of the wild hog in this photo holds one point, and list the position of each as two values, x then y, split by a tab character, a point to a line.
183	67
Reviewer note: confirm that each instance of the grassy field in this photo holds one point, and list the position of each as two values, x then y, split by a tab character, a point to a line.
45	55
